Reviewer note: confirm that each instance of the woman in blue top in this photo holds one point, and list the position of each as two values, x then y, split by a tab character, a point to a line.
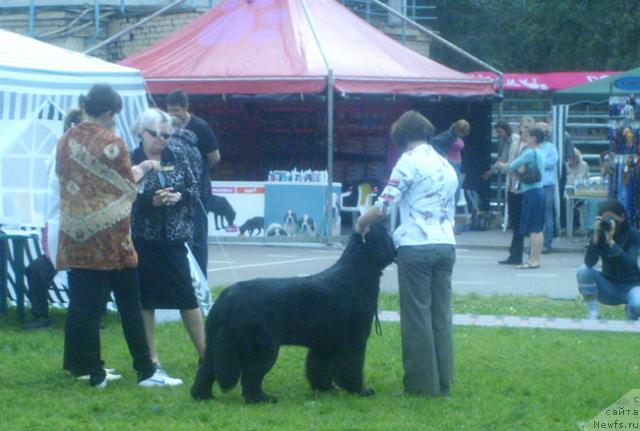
532	215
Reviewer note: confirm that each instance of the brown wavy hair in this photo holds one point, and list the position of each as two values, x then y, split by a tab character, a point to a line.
410	127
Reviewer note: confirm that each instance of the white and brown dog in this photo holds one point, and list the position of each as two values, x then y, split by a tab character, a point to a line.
290	223
307	226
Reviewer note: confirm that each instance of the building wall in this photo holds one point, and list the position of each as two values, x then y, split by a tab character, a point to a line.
75	28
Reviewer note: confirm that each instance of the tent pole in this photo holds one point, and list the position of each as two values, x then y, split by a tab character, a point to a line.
330	83
437	37
329	192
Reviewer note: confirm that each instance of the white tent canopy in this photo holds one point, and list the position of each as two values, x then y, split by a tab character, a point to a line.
38	84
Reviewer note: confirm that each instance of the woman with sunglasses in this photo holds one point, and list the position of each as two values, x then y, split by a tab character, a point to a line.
162	222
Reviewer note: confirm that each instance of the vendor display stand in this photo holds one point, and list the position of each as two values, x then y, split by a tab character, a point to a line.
621	163
296	209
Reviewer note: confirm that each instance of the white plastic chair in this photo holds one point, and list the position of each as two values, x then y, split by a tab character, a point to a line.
462	203
363	201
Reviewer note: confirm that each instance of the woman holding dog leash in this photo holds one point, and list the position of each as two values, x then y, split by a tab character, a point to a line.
162	221
423	184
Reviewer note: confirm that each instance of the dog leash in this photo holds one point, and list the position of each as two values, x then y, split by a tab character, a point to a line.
218	242
377	324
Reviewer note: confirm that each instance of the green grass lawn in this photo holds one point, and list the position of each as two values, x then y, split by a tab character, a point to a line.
505	379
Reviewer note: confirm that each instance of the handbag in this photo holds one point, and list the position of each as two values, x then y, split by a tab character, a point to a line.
531	173
199	284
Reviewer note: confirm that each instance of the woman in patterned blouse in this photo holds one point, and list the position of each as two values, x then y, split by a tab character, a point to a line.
97	188
423	185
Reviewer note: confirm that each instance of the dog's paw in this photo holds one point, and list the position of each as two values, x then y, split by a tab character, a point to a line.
201	394
366	392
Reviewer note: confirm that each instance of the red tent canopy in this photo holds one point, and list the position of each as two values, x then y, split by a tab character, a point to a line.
269	46
544	81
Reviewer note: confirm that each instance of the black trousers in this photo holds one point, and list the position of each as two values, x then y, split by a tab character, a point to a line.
82	332
39	274
200	246
516	250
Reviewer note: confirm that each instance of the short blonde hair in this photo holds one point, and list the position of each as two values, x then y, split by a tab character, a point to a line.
151	119
461	127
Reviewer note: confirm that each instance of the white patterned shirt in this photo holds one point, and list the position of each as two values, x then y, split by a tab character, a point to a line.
423	184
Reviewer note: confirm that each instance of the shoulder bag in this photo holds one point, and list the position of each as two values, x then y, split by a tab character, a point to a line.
531	173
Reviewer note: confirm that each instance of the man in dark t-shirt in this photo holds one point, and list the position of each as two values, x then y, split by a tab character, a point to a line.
178	106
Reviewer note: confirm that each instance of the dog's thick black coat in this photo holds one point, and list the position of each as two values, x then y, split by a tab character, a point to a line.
330	313
221	209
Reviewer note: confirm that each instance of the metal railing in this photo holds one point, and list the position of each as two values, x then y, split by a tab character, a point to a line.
366	9
101	9
377	16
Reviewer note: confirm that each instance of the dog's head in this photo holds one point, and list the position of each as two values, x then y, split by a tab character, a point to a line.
290	218
275	229
231	216
379	246
307	225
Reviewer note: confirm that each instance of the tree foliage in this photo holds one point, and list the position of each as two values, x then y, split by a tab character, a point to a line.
540	35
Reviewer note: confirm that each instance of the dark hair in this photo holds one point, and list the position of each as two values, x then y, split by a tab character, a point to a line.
613	206
100	100
501	124
74	117
537	133
411	126
178	98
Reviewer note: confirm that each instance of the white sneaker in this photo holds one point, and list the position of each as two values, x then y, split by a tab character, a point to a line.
102	384
110	372
160	378
628	314
593	315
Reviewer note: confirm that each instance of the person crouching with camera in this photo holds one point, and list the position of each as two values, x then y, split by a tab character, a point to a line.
616	242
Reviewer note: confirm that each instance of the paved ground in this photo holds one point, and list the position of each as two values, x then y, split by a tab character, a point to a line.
476	270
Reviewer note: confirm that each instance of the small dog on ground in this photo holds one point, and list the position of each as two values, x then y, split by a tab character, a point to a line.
276	229
221	209
330	313
253	224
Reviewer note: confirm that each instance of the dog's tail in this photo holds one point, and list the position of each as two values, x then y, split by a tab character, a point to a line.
227	362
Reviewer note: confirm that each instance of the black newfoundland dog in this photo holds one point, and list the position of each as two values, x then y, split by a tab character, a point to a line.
330	313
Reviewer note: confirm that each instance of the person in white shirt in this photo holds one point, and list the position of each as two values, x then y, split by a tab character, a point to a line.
423	185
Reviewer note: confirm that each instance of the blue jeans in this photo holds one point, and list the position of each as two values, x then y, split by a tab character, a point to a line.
592	282
549	215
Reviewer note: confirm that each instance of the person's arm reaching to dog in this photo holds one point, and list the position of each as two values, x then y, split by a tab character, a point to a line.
399	182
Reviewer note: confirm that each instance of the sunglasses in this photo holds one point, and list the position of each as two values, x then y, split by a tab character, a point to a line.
158	135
